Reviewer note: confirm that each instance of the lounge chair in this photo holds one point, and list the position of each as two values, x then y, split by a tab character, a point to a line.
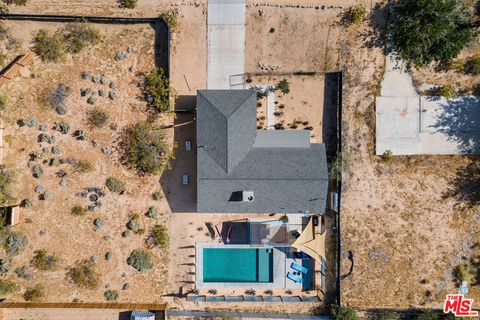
294	277
298	267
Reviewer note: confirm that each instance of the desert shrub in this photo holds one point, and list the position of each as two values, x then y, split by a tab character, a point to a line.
268	292
83	166
272	30
283	86
98	223
97	118
130	4
387	156
250	292
159	236
146	148
157	90
152	213
57	98
140	260
431	30
4	267
343	313
7	287
355	14
170	19
78	210
3	102
134	224
34	294
111	295
62	127
109	256
47	46
464	272
448	91
157	195
126	233
78	36
14	242
472	65
387	315
44	261
341	163
22	273
6	180
212	291
115	185
16	2
84	275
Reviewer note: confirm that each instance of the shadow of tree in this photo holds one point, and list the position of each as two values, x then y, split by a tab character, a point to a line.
376	36
466	184
459	120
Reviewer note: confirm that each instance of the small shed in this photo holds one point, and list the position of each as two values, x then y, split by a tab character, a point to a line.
9	216
142	315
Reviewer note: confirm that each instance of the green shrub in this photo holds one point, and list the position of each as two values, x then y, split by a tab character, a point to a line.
6	180
7	287
146	148
14	242
85	275
134	225
341	163
98	223
272	30
44	261
159	236
34	294
472	65
283	86
115	185
157	90
47	46
3	102
140	260
97	118
387	156
62	127
448	91
78	36
157	195
356	14
465	272
78	210
126	234
170	19
152	213
4	267
130	4
250	292
431	30
343	313
22	273
111	295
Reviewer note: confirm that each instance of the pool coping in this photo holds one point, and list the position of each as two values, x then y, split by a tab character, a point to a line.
279	259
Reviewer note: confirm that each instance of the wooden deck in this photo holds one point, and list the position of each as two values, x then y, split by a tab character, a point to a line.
13	68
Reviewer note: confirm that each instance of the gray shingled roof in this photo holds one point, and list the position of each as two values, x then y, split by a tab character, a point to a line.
286	173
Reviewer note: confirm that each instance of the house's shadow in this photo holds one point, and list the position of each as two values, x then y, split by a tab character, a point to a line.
161	45
330	105
181	197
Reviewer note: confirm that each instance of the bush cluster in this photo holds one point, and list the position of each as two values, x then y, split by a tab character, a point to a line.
283	86
115	185
111	295
140	260
85	275
157	90
7	287
97	118
34	294
14	242
44	261
355	14
159	236
48	47
130	4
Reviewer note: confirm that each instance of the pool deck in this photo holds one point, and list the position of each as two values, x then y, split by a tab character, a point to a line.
281	265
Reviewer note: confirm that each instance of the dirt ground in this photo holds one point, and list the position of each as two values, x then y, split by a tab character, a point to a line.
406	229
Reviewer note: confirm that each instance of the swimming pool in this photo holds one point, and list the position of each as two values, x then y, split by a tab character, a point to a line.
237	265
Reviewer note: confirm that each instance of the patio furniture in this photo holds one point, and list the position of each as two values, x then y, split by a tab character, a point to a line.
301	255
295	234
298	267
294	278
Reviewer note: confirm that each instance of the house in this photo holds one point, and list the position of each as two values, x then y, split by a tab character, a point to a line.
244	170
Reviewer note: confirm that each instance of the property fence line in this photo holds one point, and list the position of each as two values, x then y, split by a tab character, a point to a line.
244	298
339	186
93	19
222	314
84	305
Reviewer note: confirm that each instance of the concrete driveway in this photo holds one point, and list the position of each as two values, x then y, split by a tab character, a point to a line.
226	42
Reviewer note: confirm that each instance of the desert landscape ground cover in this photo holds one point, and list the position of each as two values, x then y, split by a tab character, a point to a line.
404	219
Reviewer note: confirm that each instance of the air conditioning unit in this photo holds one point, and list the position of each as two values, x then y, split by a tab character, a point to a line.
247	196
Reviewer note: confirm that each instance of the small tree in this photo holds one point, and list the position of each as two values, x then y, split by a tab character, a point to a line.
431	30
283	86
47	46
140	260
157	90
356	14
159	237
111	295
146	148
343	313
448	91
78	36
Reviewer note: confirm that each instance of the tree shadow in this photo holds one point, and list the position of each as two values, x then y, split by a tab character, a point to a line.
377	35
466	184
161	45
329	117
459	120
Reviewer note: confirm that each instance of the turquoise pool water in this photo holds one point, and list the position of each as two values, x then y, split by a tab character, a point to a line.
237	265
